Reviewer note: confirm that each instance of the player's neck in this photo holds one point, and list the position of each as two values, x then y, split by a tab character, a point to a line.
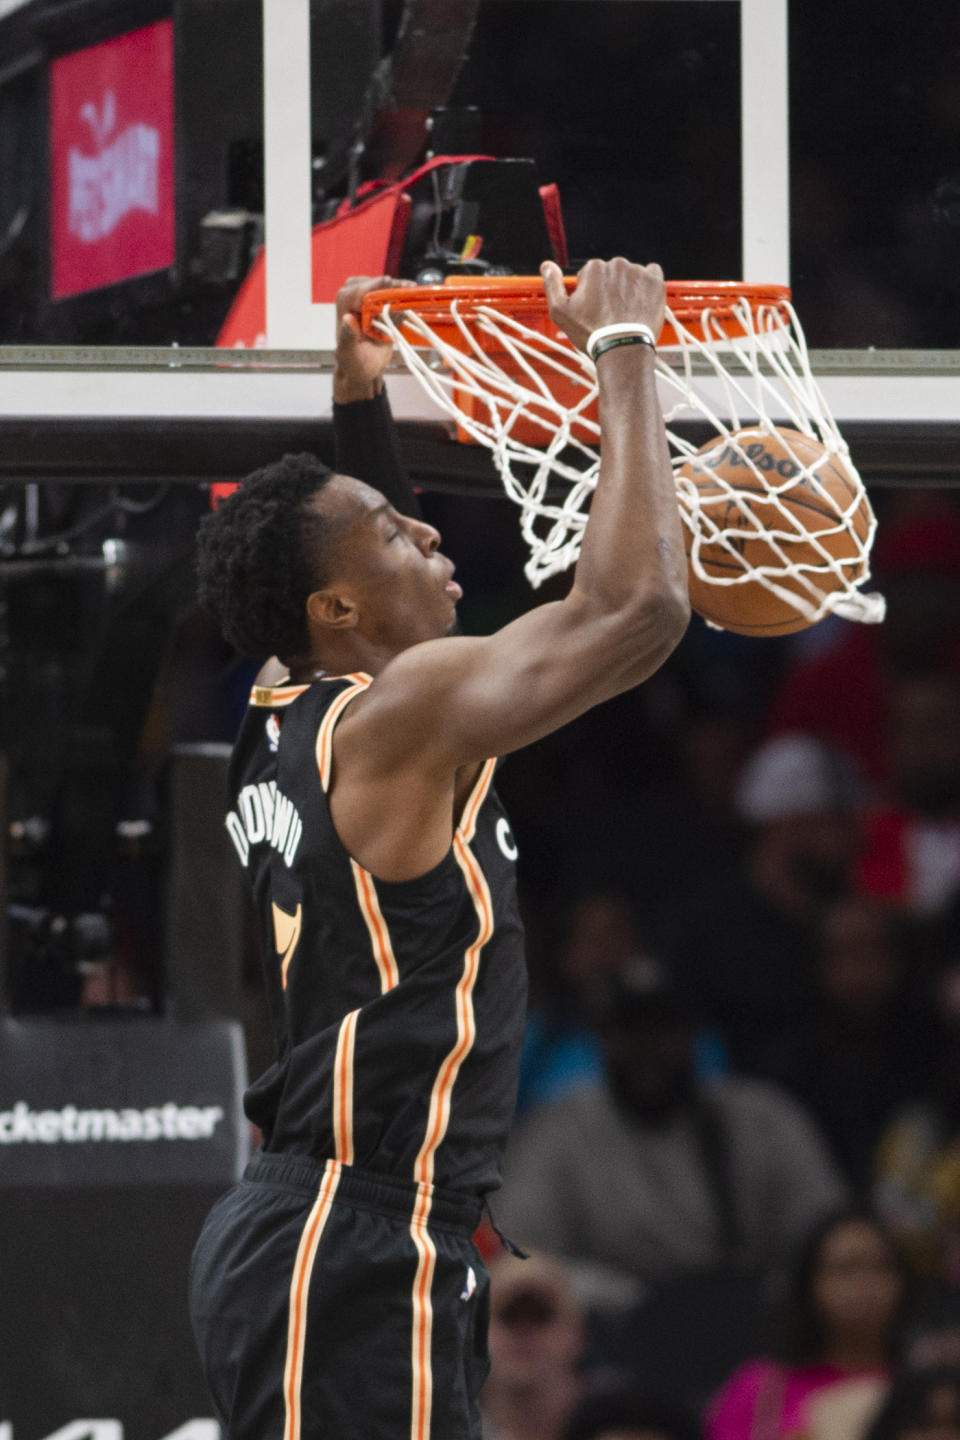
356	657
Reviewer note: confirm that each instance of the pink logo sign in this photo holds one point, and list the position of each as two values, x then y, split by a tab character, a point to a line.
111	161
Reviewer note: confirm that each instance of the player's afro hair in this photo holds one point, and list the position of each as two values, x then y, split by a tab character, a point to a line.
261	553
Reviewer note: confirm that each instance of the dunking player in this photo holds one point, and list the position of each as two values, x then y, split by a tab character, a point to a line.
336	1293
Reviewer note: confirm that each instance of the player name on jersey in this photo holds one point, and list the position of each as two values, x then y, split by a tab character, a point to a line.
265	815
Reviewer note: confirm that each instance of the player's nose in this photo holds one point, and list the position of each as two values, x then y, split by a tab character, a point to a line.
426	537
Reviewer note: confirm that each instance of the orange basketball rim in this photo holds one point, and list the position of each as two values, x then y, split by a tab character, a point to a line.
731	359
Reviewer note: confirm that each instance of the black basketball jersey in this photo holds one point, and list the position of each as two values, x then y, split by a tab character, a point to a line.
397	1008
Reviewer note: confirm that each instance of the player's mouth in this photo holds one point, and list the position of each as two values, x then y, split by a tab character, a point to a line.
454	590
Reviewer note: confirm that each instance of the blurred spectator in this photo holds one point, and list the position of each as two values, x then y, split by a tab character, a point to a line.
866	1050
595	937
594	940
650	1175
743	936
631	1415
841	1326
923	1405
912	854
536	1341
842	696
933	1336
846	1410
687	812
917	1178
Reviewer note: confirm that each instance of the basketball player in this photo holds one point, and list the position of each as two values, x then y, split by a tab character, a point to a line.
336	1292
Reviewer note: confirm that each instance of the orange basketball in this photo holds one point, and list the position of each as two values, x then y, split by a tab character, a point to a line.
814	489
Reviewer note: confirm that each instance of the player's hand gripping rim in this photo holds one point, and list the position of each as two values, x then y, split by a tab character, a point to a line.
361	359
608	292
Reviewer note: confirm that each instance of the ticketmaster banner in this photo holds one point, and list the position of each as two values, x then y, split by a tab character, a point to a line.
120	1101
116	1138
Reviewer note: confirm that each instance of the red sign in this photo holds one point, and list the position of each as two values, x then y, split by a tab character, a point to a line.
111	161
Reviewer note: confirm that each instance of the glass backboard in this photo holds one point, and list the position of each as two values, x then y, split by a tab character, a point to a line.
772	140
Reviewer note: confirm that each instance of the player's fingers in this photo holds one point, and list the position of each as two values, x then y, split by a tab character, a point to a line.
655	270
553	286
352	333
353	292
369	282
366	285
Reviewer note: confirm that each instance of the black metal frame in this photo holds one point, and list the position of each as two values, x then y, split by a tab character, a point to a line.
134	451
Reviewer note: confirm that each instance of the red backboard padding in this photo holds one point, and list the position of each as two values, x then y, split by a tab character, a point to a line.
367	240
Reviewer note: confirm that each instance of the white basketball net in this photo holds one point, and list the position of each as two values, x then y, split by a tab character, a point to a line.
759	380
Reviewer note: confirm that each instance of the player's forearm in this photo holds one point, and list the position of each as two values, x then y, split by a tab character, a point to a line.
632	559
365	446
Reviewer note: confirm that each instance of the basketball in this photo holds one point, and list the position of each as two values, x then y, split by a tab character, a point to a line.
770	511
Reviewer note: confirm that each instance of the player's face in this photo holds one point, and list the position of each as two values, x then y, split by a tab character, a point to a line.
389	567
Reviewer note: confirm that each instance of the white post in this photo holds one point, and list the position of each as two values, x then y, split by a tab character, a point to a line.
293	321
765	169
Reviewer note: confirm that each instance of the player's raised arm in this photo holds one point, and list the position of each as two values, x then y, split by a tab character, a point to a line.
445	703
364	435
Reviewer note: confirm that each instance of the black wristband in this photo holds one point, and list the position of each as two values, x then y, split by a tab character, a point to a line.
365	446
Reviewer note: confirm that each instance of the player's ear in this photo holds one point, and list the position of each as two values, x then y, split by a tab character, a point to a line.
331	611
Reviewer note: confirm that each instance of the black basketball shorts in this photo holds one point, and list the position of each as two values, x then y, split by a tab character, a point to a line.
332	1304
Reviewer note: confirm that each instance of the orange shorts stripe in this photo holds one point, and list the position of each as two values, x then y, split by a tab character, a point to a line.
422	1337
437	1122
299	1291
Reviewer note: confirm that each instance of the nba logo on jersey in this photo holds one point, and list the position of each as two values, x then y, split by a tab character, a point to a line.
273	733
469	1288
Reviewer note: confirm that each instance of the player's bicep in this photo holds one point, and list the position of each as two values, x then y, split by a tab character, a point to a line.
528	680
459	700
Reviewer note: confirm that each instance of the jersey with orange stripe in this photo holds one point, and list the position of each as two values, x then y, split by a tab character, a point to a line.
397	1008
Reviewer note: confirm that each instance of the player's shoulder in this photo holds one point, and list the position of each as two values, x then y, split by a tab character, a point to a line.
422	671
286	715
277	691
401	713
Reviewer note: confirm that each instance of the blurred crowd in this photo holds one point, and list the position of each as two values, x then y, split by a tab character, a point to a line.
736	1164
